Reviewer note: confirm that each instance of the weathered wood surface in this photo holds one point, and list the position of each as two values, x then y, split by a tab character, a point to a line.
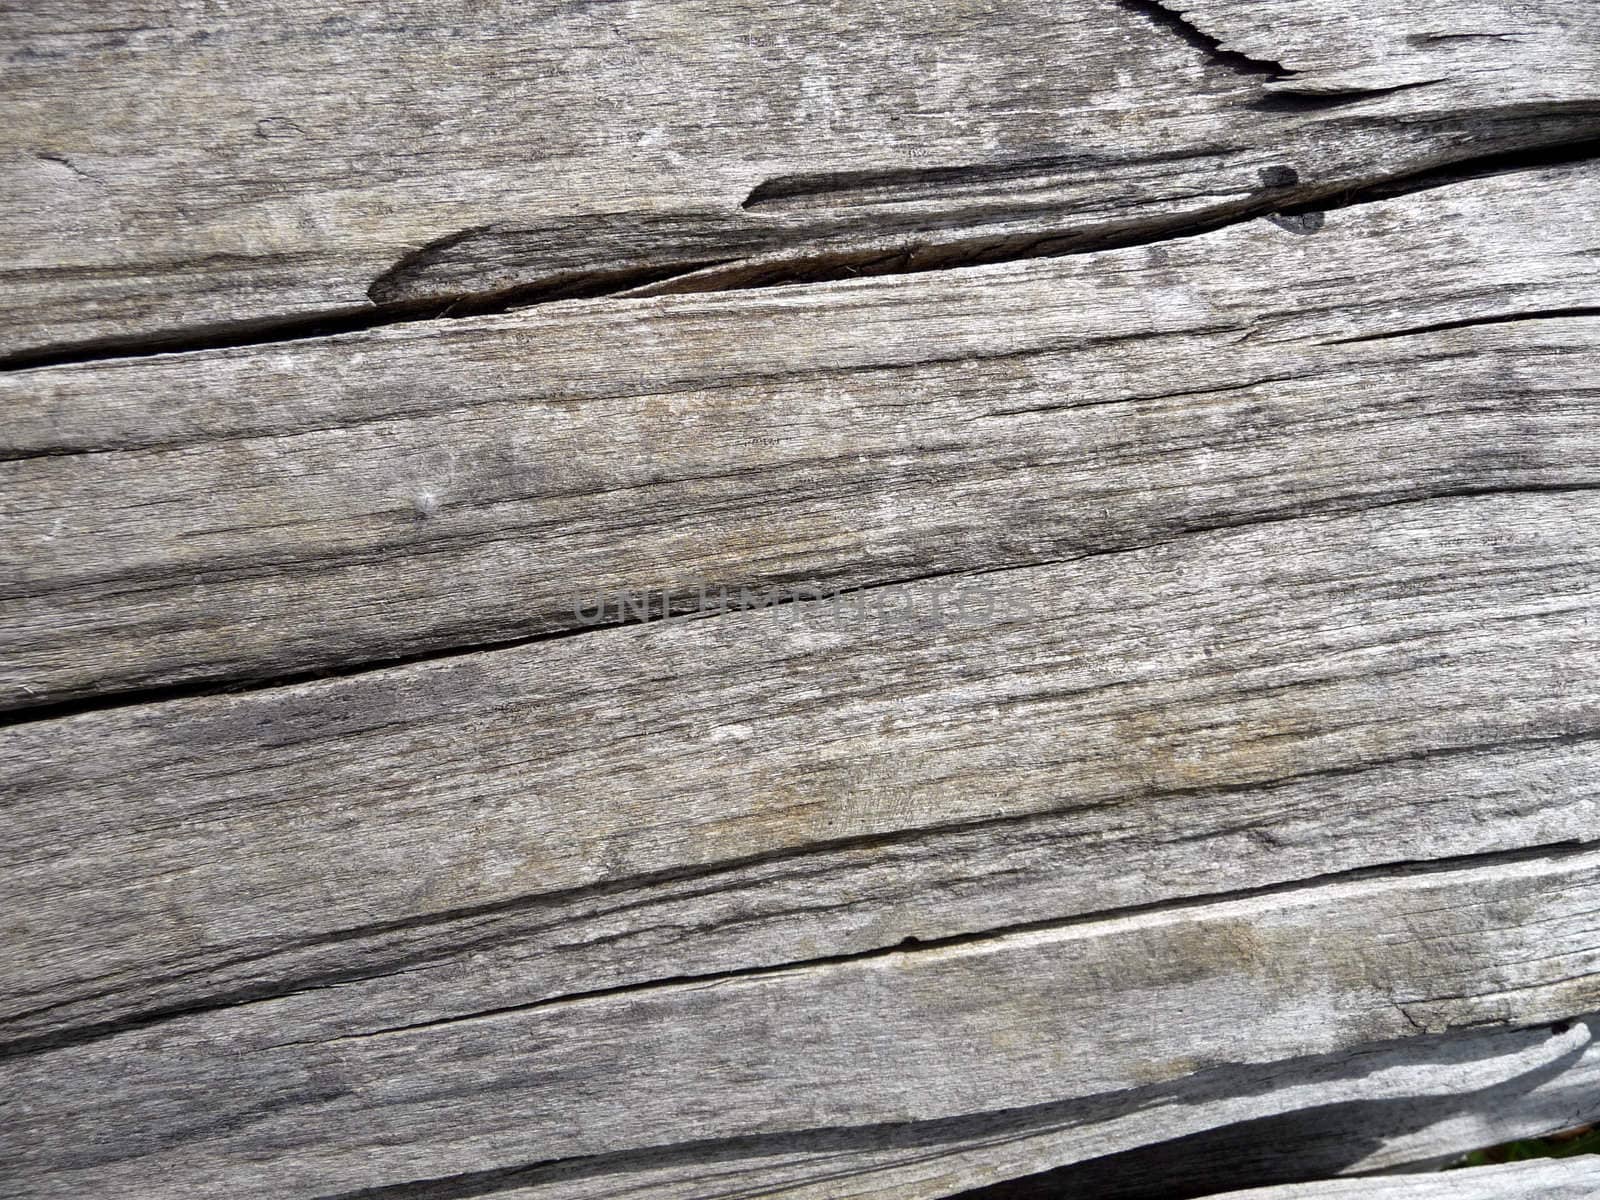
228	869
1415	1105
321	1090
174	169
1206	749
1189	712
1569	1179
267	511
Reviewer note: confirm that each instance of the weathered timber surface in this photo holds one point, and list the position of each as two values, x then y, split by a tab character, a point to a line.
1572	1179
179	169
266	511
311	1093
791	782
1302	1120
501	879
1196	788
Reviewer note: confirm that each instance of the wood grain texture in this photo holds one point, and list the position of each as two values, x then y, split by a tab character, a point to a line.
1388	1103
290	1106
1129	715
271	511
1344	1114
1557	1179
179	170
198	854
1189	712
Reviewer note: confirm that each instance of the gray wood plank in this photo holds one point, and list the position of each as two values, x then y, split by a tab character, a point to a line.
1208	741
1302	1123
279	164
1396	1102
271	511
1553	1179
261	1098
1115	731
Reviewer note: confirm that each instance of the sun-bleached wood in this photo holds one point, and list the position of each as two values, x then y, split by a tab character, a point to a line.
271	511
1196	788
274	1098
1552	1179
298	160
1181	719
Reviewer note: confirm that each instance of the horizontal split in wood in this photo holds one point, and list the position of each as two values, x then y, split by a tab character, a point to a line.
832	438
907	252
497	1090
762	263
297	177
1549	1179
1420	1101
359	955
770	786
1468	322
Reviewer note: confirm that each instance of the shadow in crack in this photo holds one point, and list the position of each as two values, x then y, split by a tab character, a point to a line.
1315	1143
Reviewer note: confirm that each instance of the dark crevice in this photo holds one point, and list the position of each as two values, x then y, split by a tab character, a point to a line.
1428	39
902	184
1446	174
1293	199
653	610
1294	205
1174	22
567	285
271	331
266	331
1220	389
1289	100
1251	1152
814	266
196	689
1538	314
1304	1144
